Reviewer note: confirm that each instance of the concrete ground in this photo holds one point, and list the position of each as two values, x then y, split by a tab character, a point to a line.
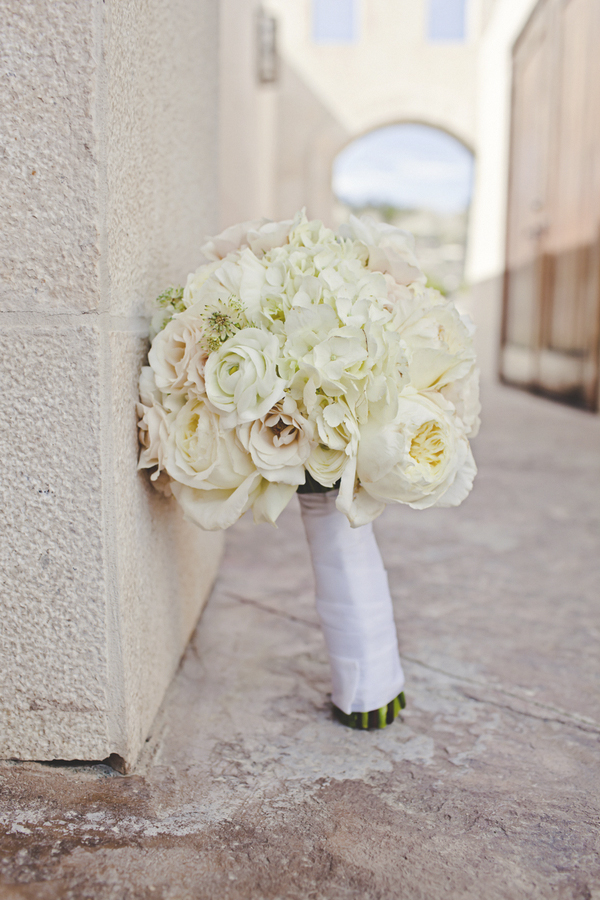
488	788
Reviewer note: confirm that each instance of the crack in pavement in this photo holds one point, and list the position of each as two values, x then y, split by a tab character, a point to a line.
269	609
583	722
589	729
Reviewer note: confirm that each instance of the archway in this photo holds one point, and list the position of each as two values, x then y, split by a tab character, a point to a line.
420	178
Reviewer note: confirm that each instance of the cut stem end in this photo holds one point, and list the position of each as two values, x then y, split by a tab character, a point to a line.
376	718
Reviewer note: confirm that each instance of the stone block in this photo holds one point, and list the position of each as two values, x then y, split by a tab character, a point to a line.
53	676
48	177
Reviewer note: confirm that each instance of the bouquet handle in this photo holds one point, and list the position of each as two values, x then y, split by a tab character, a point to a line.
354	607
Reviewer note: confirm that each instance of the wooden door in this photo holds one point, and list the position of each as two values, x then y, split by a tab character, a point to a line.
551	324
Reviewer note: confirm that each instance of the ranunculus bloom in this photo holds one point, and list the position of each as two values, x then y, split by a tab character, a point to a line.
279	443
241	376
326	465
421	458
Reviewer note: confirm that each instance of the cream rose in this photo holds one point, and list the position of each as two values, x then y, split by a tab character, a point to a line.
438	343
279	443
260	235
241	376
177	355
153	429
214	478
421	458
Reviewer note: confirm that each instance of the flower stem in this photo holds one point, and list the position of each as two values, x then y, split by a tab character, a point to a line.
376	718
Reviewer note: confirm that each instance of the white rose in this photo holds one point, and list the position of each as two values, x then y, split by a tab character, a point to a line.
177	355
390	249
215	480
199	452
464	395
438	342
241	376
421	458
279	443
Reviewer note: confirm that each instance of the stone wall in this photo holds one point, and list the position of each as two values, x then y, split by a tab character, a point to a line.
109	177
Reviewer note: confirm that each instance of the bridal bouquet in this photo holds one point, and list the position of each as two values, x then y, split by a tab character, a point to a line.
297	359
294	352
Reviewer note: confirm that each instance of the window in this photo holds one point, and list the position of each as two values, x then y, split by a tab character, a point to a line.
334	21
447	20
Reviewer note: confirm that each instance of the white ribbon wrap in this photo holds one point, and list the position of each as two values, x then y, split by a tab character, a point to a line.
354	606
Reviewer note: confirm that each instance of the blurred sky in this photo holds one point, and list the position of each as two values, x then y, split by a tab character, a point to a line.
407	166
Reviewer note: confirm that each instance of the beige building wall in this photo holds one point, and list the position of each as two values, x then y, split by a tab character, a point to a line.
308	138
277	140
487	227
392	73
109	180
247	120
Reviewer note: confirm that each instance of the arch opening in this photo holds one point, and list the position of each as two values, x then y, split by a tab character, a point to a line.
419	178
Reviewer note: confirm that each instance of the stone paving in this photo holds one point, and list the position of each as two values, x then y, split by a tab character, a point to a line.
247	789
